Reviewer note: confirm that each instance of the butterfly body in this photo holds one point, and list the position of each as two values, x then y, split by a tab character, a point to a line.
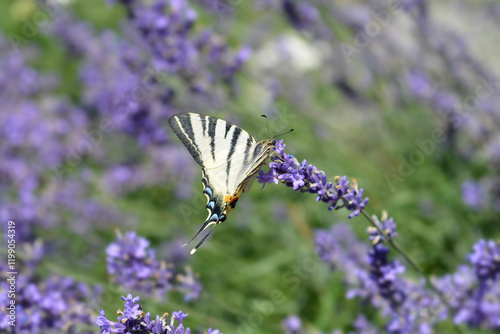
229	157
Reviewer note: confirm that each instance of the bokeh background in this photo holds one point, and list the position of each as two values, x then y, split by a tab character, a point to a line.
403	96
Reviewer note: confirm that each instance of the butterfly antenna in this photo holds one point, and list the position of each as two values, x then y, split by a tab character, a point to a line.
267	125
201	242
284	133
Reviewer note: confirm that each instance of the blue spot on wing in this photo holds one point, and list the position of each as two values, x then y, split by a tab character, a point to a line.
208	191
211	205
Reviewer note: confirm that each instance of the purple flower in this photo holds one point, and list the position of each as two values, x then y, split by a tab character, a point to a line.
486	260
108	326
474	194
304	16
419	84
219	7
372	276
46	304
386	274
266	177
189	285
363	326
131	310
387	225
180	316
167	32
133	264
340	248
292	325
475	298
305	177
133	320
120	178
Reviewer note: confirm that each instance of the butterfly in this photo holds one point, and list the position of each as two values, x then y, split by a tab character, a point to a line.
229	158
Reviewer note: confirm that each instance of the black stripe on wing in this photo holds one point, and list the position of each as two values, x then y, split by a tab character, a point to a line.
228	127
257	150
212	124
250	142
234	139
183	128
204	124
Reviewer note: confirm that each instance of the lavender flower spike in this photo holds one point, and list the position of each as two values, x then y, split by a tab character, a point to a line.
134	320
132	264
305	177
486	260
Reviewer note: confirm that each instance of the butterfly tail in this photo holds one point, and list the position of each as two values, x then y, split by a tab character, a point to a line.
213	220
203	228
201	242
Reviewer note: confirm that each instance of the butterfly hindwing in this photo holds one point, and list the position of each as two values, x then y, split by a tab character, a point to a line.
215	201
229	156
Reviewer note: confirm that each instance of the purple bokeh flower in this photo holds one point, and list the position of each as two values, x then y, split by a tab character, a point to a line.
363	326
474	291
419	84
335	247
474	194
188	284
44	304
486	260
292	325
305	17
199	58
133	265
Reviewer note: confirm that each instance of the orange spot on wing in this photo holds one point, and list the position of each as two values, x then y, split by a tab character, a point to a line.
235	198
227	198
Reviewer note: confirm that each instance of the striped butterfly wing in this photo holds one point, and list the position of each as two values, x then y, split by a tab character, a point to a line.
229	156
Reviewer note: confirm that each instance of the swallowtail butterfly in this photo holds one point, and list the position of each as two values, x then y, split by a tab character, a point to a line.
229	158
